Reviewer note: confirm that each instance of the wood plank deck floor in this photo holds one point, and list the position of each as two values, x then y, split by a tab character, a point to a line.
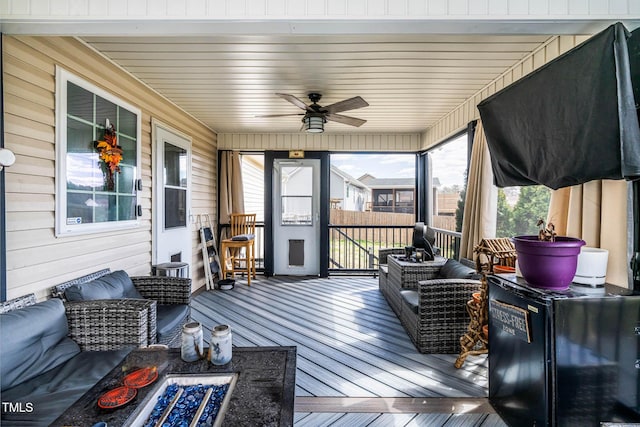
355	365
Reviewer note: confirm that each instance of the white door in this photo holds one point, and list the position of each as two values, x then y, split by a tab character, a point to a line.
171	195
296	216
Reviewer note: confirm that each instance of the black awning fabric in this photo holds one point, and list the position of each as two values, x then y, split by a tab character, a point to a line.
571	121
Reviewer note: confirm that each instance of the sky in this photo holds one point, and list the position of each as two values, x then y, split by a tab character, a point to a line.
448	162
378	165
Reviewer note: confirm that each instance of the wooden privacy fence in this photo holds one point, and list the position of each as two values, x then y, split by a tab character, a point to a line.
384	236
356	237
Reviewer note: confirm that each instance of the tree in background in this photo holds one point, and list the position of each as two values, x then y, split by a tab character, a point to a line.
460	209
504	222
521	219
532	205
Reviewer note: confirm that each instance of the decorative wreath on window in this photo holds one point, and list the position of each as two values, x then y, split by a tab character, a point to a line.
110	153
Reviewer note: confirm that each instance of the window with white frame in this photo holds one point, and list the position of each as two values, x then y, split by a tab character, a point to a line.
97	158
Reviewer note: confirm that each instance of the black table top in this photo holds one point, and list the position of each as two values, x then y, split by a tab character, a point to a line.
263	395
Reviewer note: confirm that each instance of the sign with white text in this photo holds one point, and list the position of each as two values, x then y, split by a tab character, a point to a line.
511	319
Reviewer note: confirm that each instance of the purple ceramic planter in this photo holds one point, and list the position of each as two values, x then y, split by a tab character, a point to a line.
549	265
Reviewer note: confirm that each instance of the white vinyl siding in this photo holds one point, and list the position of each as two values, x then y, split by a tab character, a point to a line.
328	142
36	259
318	9
458	118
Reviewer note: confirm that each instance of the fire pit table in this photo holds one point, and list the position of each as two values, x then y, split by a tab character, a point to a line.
262	392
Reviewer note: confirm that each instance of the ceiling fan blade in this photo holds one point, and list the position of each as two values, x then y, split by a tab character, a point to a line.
351	121
292	99
282	115
347	104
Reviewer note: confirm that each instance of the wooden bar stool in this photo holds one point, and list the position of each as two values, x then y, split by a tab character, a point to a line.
243	232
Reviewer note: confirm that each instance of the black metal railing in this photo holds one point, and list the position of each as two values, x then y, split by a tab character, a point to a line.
448	242
354	248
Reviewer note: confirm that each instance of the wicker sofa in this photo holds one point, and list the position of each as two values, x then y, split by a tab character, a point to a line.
431	303
167	300
43	369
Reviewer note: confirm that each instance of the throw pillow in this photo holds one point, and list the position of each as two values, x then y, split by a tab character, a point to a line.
114	285
453	269
34	340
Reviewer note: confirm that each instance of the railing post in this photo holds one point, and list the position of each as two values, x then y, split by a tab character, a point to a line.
371	257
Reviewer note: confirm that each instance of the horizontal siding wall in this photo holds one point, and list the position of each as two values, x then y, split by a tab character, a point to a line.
458	119
36	259
323	142
317	9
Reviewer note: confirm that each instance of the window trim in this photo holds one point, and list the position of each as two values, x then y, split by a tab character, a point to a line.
61	228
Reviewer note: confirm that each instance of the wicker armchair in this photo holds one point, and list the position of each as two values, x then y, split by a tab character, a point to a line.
430	300
441	316
383	274
100	325
159	292
383	254
111	324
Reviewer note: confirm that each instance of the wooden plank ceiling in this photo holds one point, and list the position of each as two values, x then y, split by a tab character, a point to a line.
410	81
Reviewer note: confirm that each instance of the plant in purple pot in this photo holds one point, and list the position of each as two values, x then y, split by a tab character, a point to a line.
547	260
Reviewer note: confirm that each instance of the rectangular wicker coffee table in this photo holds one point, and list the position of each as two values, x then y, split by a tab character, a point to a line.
405	275
408	274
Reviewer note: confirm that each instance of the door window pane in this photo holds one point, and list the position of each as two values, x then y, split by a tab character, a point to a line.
296	189
175	207
175	166
175	181
296	210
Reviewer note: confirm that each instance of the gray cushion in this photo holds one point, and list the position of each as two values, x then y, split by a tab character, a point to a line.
412	299
110	286
452	269
169	317
55	390
34	340
243	237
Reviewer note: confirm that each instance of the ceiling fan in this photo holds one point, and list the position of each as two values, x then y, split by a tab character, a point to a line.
315	116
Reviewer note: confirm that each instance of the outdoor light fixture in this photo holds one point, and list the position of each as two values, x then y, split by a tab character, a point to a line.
313	124
7	158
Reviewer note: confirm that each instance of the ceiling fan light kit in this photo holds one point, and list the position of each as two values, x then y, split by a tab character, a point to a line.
315	115
313	124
